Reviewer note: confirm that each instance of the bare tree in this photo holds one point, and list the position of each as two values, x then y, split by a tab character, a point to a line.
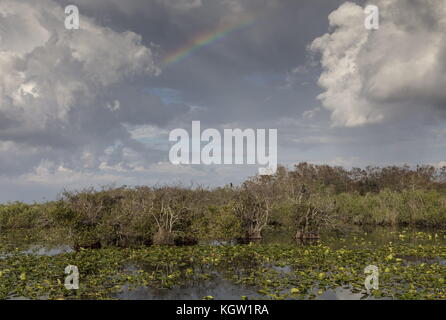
90	207
313	212
253	207
167	206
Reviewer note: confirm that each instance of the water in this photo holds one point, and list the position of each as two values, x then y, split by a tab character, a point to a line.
42	250
219	287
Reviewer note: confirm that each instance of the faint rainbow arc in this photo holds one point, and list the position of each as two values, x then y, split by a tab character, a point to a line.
203	39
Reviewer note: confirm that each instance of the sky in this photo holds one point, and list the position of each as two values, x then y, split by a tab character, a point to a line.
94	106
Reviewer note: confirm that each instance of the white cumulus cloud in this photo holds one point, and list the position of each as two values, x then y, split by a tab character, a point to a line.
59	87
370	76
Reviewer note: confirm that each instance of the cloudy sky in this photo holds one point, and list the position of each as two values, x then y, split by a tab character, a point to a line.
95	106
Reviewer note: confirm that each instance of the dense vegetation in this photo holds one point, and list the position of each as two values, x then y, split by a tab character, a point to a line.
303	201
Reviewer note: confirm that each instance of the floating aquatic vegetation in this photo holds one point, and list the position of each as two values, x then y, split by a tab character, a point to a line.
271	271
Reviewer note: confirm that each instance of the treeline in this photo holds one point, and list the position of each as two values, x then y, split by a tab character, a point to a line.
305	200
368	180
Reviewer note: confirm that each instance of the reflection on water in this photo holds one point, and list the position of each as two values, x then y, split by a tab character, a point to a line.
342	294
218	288
41	250
221	289
419	260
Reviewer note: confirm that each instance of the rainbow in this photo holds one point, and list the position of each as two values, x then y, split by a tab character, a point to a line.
204	39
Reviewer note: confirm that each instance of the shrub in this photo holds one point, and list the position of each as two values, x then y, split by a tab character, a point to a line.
19	215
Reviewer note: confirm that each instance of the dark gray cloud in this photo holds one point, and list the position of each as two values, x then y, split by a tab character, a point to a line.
95	106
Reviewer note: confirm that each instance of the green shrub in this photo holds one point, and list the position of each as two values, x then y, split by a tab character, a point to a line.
19	215
224	224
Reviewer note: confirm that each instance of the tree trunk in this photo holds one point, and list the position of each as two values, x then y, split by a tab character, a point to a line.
253	235
163	238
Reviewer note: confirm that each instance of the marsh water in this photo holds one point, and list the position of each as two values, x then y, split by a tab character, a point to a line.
218	284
